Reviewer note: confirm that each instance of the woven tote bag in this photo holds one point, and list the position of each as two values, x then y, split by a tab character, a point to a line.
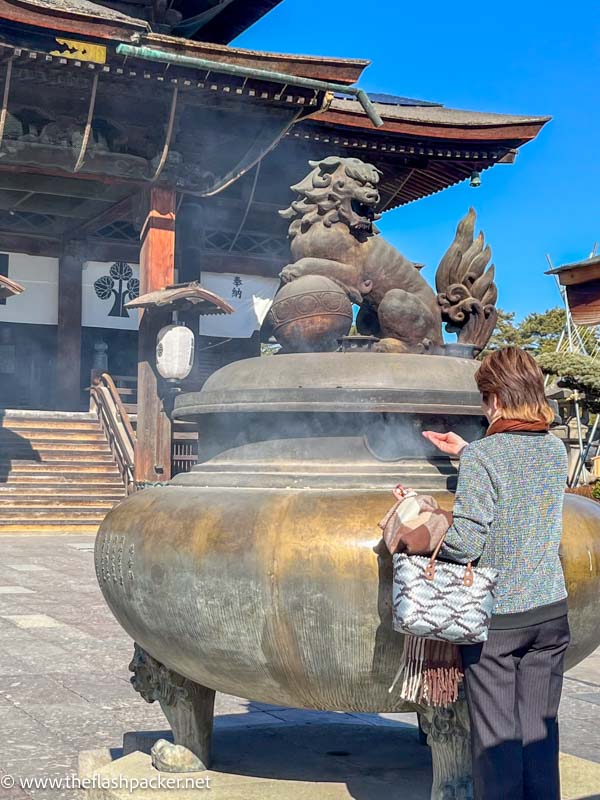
438	600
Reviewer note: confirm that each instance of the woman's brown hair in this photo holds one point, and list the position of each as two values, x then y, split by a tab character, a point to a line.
513	376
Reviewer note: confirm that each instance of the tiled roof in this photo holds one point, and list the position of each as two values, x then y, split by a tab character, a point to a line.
394	100
82	8
593	261
417	111
199	19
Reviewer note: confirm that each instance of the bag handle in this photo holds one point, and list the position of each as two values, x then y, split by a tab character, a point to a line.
429	571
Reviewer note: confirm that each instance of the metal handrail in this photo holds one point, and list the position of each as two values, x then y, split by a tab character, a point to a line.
114	419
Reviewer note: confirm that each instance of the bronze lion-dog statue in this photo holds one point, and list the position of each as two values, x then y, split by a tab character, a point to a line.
332	234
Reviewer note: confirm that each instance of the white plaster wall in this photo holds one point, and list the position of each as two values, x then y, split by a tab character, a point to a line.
38	305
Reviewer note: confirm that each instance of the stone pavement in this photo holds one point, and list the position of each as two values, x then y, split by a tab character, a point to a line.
64	688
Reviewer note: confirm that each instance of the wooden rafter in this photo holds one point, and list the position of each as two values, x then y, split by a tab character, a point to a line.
121	210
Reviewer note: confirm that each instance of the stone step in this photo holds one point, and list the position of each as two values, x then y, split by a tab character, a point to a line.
14	438
59	502
64	487
35	514
61	474
19	467
56	458
55	464
47	416
65	479
51	445
68	490
47	526
20	425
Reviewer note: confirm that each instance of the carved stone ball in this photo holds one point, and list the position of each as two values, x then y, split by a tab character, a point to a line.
309	314
169	757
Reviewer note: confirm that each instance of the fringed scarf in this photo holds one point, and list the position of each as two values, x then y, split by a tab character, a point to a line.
431	670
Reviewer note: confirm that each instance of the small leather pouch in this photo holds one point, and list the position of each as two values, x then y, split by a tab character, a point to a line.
419	535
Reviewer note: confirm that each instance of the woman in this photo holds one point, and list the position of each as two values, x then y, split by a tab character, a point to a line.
508	515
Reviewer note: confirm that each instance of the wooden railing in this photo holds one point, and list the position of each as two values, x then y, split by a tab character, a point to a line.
106	402
184	446
126	386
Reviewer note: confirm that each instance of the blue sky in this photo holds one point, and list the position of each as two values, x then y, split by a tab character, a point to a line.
535	58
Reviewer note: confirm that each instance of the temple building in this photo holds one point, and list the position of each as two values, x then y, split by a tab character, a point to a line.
581	281
230	146
138	149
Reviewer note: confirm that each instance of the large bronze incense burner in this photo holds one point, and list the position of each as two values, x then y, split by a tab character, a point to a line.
262	574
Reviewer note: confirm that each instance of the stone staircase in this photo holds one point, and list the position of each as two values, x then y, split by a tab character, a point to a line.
57	473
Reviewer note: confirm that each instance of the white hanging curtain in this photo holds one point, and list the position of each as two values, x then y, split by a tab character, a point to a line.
250	295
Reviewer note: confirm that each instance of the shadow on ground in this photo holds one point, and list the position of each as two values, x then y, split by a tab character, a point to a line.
364	761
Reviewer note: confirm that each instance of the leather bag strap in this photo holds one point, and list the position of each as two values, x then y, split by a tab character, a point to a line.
429	570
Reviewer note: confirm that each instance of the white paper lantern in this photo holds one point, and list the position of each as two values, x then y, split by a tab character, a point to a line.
174	352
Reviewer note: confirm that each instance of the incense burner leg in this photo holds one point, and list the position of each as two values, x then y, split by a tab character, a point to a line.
448	735
188	707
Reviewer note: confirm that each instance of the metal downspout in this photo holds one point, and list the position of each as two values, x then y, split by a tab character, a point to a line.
150	54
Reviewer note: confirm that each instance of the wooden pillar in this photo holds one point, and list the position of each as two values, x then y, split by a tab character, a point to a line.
157	269
68	338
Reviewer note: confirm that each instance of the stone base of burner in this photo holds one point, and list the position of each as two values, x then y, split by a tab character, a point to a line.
281	761
302	761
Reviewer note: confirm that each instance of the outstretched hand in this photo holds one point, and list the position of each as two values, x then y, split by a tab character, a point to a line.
450	443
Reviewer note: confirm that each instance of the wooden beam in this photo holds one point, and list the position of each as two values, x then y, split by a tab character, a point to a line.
571	277
31	169
120	210
30	245
70	209
93	249
65	187
111	250
68	334
157	269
